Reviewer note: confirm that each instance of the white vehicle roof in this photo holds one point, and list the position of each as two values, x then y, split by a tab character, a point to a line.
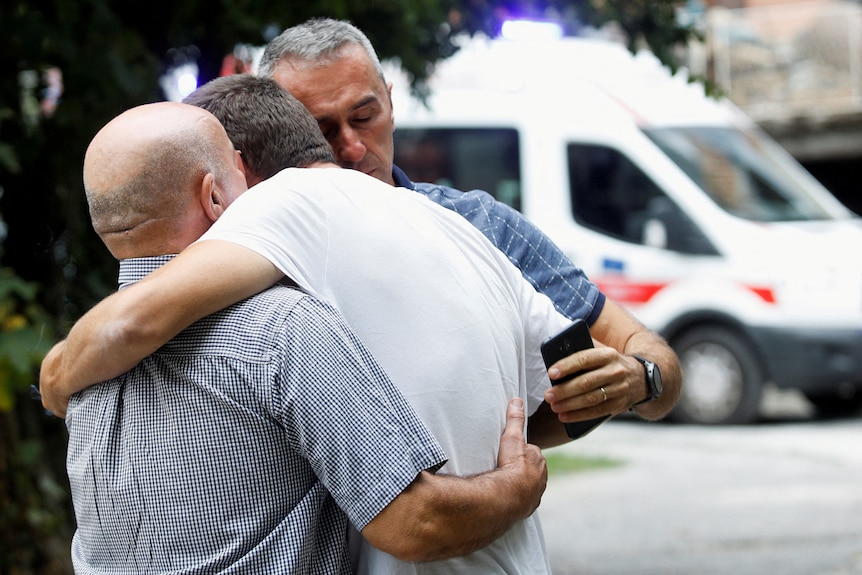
507	77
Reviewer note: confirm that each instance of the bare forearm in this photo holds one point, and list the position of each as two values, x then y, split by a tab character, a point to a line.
544	428
450	516
90	353
619	330
131	324
106	342
438	516
119	332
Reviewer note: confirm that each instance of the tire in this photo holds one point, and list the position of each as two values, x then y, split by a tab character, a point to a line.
722	378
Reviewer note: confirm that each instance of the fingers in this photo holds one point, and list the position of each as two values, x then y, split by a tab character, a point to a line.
592	395
581	361
513	442
522	459
605	379
515	417
576	405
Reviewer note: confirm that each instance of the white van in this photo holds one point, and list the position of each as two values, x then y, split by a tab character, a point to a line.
675	204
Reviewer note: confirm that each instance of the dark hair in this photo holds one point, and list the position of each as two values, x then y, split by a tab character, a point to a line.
271	128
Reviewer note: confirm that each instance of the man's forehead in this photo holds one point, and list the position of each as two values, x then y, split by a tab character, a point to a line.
351	71
347	52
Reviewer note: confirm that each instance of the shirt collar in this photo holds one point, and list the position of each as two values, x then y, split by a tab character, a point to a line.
136	269
400	178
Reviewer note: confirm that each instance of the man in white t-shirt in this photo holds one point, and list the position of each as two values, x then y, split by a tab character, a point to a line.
449	319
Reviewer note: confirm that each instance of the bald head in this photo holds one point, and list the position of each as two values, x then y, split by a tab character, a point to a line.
148	173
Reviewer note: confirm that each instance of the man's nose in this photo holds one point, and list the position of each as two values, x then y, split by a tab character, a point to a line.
349	148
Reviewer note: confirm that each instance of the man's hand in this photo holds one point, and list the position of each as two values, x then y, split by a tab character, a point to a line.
618	329
50	376
521	457
609	385
612	383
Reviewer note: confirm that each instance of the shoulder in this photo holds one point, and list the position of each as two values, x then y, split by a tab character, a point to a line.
260	325
453	197
277	301
293	318
280	304
478	206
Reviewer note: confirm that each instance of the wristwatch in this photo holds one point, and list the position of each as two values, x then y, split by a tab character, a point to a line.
653	379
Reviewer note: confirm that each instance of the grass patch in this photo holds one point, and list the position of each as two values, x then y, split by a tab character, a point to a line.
561	463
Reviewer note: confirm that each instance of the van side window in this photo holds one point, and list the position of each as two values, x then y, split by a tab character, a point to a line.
611	195
463	158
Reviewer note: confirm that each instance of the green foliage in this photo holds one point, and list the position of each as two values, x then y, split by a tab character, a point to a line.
34	502
35	508
25	336
646	24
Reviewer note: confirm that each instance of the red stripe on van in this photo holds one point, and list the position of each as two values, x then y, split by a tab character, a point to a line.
766	293
623	290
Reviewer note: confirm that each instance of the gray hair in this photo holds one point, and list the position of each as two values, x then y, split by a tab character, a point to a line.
316	40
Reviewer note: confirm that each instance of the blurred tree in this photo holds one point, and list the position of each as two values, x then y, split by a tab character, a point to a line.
68	66
34	503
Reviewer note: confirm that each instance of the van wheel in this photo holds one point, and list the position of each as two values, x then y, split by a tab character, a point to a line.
722	380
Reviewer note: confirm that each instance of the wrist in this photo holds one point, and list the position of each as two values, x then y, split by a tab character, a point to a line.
522	485
653	386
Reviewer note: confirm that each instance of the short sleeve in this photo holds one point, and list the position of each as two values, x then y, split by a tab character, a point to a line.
344	415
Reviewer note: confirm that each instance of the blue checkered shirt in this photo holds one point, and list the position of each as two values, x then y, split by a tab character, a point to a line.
244	445
541	261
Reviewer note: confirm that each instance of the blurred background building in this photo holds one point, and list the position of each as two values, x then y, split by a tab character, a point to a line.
796	68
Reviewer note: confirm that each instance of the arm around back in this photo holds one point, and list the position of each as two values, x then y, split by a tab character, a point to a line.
607	379
439	516
129	325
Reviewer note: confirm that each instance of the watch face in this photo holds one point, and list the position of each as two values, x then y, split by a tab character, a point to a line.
656	378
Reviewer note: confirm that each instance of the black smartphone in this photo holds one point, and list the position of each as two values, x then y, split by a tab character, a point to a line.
574	338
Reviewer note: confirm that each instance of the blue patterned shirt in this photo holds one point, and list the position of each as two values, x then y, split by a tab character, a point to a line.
541	261
244	445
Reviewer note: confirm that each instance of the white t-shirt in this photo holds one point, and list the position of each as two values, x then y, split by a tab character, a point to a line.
447	316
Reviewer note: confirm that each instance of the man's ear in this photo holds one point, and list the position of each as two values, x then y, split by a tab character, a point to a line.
212	197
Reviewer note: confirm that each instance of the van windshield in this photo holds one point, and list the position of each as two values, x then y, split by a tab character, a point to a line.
741	172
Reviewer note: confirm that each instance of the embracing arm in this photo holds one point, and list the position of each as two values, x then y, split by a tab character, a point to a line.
613	381
441	516
616	328
131	324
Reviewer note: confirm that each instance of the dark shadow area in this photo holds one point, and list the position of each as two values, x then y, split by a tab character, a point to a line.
841	177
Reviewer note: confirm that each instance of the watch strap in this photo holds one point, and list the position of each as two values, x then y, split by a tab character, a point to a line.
648	366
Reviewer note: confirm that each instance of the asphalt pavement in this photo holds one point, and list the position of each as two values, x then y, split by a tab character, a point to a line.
782	497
